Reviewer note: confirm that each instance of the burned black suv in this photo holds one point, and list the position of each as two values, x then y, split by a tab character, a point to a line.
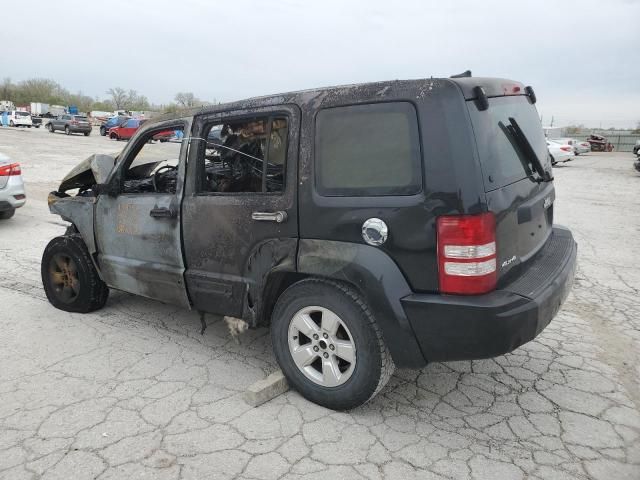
369	226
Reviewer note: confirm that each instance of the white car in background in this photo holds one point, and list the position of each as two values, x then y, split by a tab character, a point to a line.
12	194
19	118
579	146
559	152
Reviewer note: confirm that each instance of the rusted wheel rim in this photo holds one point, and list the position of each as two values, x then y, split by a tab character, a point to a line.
63	274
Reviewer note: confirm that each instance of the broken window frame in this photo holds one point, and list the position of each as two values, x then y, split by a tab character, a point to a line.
256	116
135	146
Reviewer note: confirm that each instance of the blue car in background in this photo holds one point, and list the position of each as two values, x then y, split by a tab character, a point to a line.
112	122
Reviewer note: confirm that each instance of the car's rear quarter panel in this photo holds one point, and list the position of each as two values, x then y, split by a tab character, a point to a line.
451	178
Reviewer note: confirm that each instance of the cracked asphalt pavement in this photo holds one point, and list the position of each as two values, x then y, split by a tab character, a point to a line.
134	391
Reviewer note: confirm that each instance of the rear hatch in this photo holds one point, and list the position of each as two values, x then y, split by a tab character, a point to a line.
81	121
519	192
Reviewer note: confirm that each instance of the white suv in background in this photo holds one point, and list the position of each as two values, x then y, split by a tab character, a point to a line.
19	118
12	194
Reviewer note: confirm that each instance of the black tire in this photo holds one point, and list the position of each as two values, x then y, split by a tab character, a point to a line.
28	126
113	136
90	292
86	134
553	160
11	124
67	131
103	131
373	363
50	128
7	214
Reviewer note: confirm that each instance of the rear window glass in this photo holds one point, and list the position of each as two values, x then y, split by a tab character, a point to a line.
80	118
502	164
368	150
22	114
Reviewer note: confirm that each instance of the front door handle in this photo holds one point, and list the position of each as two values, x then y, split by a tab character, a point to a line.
162	212
278	217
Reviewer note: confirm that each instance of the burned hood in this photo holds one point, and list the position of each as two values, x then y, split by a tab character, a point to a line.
89	172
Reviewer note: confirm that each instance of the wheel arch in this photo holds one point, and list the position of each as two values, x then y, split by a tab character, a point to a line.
374	275
79	211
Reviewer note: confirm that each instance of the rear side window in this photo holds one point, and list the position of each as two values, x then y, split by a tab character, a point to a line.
368	150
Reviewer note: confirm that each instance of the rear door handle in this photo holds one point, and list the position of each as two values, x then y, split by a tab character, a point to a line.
278	217
162	212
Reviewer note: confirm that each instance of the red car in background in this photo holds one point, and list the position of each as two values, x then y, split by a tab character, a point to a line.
131	126
126	130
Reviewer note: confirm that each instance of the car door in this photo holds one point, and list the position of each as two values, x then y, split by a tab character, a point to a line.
137	224
240	222
129	128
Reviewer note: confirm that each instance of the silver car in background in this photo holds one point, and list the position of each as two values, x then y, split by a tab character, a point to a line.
12	194
579	146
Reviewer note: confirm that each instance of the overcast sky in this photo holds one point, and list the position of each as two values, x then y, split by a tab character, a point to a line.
581	57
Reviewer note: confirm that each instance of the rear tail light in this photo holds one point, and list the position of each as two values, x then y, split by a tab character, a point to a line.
566	149
10	170
467	253
74	122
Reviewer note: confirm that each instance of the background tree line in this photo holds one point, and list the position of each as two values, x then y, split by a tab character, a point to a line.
44	90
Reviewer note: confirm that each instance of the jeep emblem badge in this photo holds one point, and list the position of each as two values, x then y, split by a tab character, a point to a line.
374	232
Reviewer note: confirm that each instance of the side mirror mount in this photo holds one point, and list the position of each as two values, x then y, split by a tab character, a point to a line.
105	189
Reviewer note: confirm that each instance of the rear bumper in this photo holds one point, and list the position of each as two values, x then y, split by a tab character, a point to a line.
76	129
12	195
450	327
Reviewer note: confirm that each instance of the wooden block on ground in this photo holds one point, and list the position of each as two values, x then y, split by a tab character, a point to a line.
264	390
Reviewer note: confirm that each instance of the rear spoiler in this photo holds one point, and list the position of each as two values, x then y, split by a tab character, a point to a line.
480	89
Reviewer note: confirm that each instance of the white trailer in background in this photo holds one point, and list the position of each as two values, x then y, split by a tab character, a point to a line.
553	132
57	110
39	109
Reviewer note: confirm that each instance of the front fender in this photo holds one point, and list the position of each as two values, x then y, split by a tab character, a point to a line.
80	212
378	279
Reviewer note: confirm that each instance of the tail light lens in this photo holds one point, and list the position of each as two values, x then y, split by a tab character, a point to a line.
566	149
10	170
467	253
74	122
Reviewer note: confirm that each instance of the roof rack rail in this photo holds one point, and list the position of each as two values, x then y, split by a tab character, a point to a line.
465	74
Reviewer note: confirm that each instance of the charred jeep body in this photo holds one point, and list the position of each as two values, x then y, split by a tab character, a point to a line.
373	225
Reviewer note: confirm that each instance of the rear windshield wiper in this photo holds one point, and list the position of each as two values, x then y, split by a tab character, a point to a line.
514	131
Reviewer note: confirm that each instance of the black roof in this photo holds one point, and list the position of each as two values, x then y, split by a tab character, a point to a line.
418	87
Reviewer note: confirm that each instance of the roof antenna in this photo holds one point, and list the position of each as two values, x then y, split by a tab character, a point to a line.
465	74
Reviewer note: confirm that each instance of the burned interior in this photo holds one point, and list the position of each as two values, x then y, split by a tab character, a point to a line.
154	167
244	156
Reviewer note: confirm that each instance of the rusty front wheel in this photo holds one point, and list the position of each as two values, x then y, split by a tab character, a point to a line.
69	277
63	274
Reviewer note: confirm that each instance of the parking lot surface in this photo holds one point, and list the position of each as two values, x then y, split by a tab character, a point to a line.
134	391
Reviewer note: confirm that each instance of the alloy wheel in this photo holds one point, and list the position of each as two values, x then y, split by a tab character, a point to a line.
322	346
